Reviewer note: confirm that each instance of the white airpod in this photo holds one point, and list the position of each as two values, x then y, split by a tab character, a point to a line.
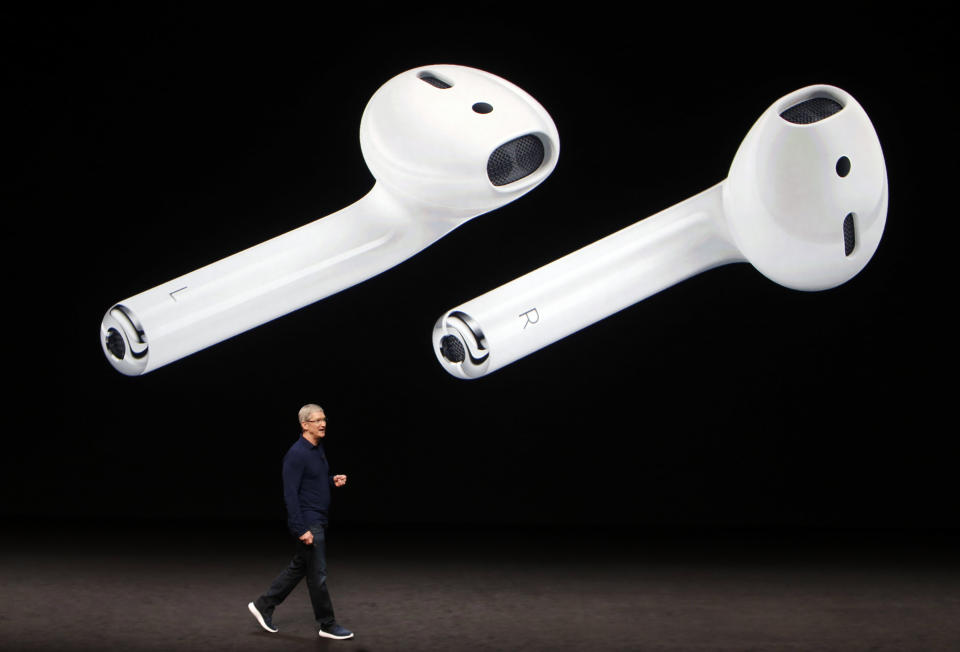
805	202
444	143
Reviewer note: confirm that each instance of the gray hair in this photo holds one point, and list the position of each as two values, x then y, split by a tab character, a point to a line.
307	410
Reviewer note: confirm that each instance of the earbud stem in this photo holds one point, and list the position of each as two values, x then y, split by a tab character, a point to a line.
271	279
594	282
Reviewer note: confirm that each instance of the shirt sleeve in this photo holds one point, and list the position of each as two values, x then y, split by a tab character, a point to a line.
292	476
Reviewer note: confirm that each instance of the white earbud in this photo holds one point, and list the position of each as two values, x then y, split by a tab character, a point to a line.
805	202
444	143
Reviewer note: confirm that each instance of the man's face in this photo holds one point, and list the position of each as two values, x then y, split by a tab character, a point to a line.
316	424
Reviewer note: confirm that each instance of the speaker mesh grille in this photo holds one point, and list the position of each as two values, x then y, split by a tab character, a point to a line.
849	235
433	81
514	160
810	111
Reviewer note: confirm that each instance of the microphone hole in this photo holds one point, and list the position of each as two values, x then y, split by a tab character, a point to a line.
843	166
115	344
452	349
482	107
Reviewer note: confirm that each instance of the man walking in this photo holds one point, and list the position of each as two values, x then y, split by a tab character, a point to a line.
306	492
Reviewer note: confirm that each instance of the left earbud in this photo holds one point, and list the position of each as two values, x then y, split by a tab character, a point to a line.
445	143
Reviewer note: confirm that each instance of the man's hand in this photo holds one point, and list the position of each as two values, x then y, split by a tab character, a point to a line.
339	480
307	538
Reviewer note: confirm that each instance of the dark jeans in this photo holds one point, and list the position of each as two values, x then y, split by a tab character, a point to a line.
309	561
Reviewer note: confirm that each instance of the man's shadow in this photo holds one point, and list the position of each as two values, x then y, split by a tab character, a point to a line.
317	643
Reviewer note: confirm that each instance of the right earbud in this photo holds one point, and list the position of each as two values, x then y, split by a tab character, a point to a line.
806	197
805	202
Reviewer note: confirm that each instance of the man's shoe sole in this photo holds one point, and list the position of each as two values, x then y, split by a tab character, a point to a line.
259	617
338	638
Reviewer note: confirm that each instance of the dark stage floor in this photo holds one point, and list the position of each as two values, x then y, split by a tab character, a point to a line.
179	587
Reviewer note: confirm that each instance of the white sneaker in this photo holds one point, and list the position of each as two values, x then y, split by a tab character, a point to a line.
264	621
335	631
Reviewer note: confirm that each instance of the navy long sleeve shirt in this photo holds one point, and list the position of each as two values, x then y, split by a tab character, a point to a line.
306	486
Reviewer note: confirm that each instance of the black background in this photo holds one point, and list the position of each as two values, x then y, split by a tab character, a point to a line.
144	145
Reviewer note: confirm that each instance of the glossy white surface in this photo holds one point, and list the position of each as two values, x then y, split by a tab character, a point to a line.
428	150
781	208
